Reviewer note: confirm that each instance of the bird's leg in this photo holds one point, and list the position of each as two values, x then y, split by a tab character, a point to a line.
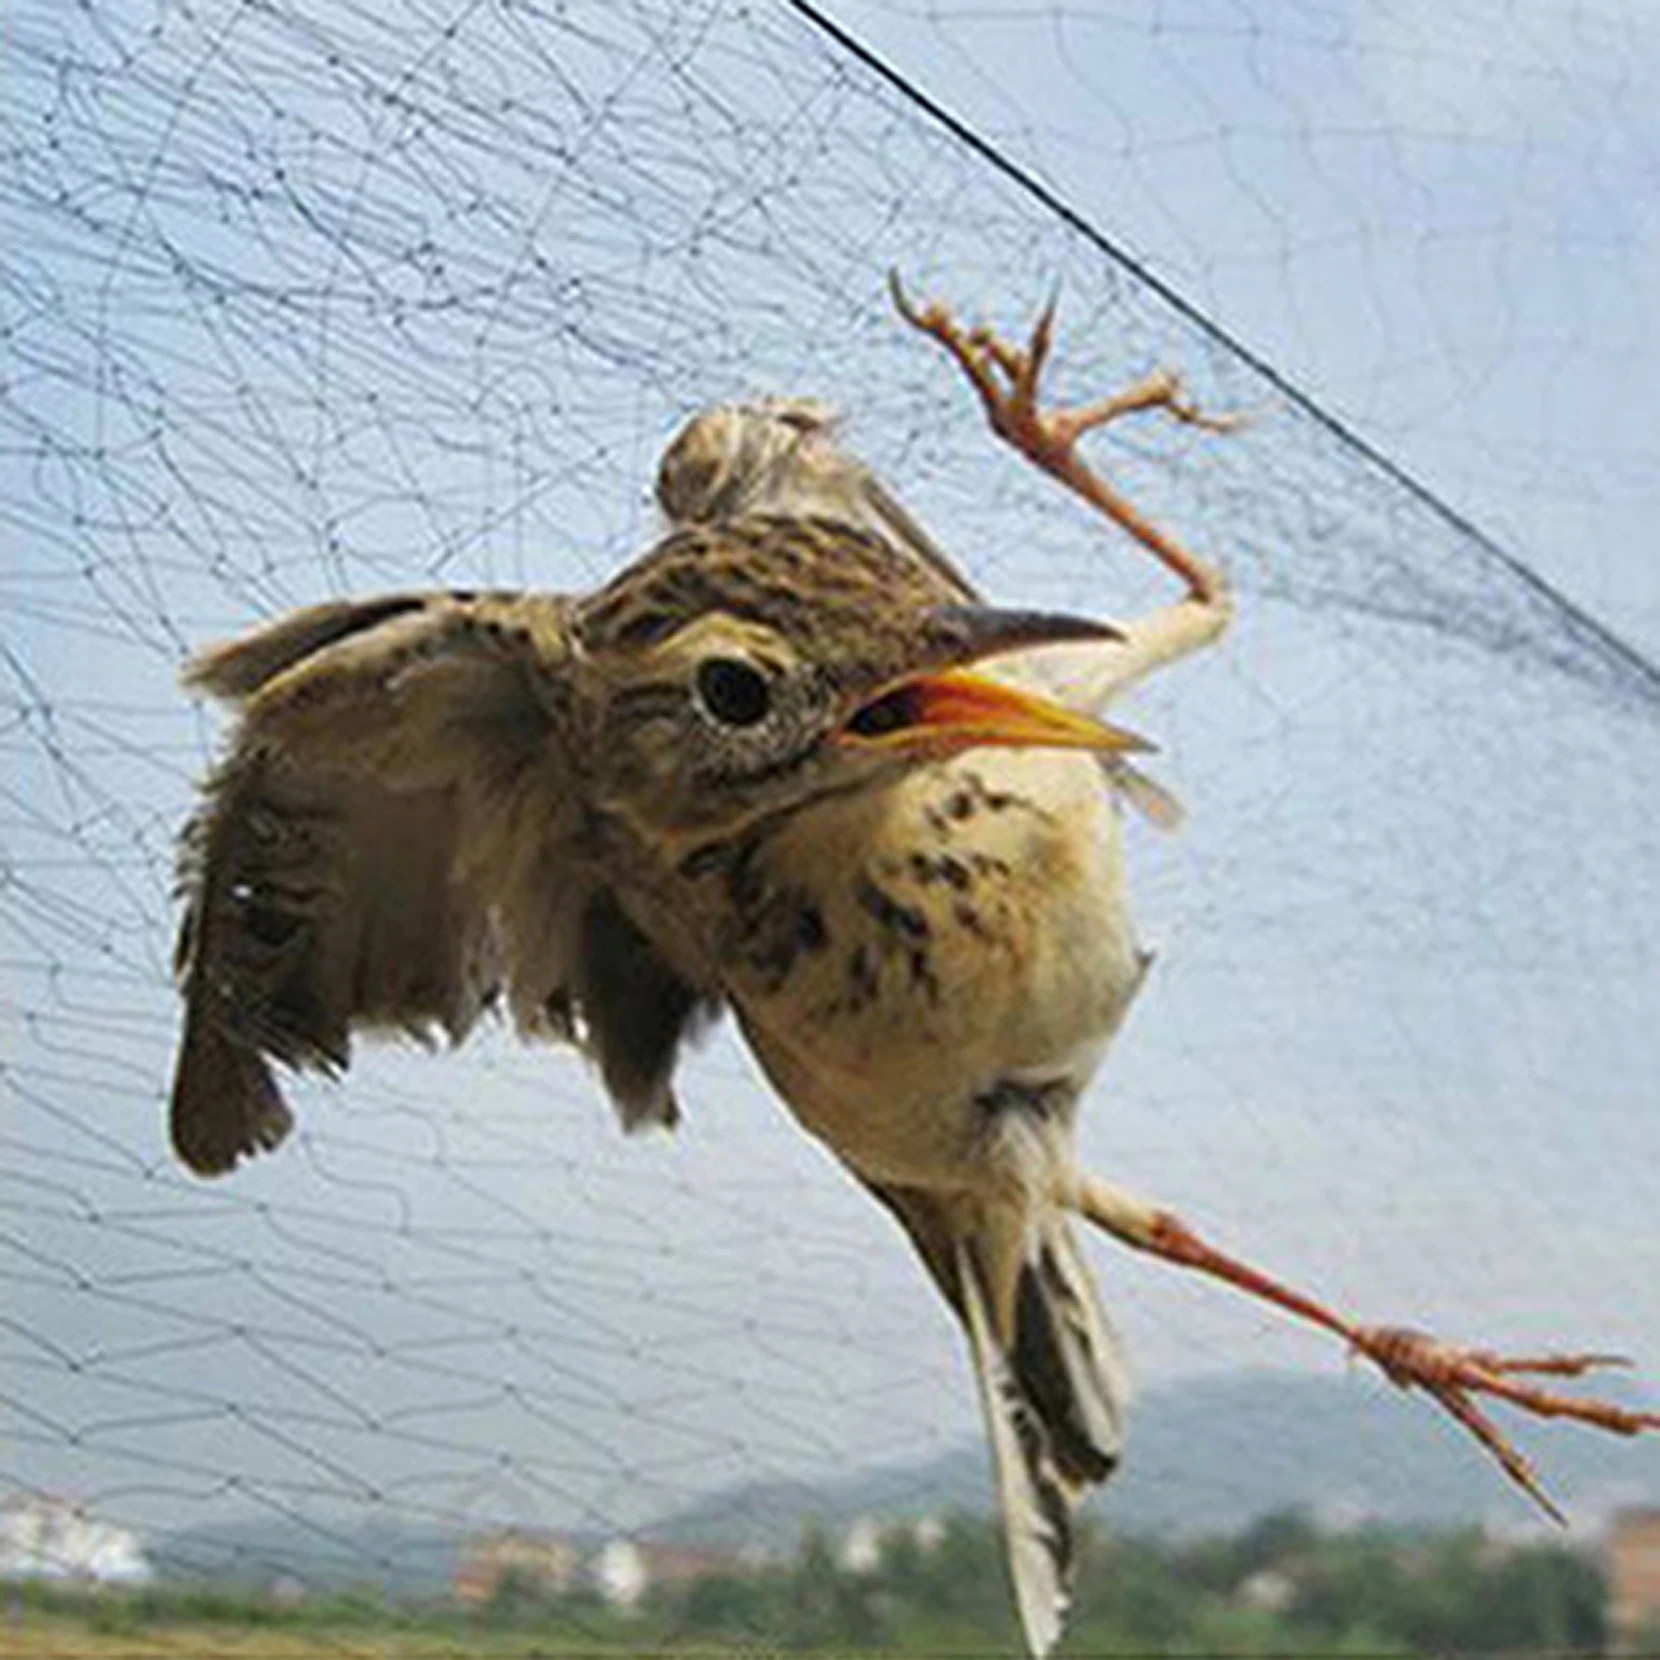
1006	378
1450	1373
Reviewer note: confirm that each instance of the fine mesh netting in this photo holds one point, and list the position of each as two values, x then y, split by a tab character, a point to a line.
310	300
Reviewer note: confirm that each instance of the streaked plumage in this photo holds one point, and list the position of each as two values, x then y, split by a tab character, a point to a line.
752	772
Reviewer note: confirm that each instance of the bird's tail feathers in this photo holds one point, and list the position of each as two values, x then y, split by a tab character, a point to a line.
1055	1392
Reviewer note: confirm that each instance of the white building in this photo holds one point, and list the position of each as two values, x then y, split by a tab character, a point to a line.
623	1570
861	1551
868	1536
53	1539
619	1572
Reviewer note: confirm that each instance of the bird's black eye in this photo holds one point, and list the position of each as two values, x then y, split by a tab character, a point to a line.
733	692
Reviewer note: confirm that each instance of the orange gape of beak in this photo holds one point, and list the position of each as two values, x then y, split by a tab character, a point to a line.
954	709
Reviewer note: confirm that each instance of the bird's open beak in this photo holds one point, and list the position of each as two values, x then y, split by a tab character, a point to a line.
945	707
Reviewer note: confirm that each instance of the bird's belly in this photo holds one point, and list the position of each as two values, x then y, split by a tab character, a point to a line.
966	942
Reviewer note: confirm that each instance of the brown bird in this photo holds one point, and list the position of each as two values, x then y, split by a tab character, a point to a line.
767	767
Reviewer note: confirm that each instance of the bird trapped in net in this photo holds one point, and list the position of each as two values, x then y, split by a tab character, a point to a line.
789	763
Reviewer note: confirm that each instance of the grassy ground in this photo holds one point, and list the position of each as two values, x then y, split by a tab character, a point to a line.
50	1636
38	1636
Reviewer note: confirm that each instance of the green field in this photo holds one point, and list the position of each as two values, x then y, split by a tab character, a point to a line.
54	1637
39	1636
1280	1588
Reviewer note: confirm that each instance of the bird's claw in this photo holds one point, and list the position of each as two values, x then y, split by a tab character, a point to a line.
1006	377
1452	1375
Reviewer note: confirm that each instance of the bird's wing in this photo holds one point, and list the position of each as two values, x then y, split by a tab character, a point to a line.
393	838
782	457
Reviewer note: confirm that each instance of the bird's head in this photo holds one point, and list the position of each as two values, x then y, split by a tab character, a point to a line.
736	674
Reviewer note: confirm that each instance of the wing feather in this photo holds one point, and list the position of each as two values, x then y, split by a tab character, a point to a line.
783	456
394	838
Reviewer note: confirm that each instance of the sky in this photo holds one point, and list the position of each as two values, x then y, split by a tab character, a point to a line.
306	302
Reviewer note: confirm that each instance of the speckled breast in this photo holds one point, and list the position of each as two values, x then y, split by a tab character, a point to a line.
900	958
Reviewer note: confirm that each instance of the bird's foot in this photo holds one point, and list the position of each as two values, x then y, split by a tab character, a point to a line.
1006	379
1453	1375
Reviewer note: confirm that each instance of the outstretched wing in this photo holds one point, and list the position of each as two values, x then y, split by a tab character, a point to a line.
394	838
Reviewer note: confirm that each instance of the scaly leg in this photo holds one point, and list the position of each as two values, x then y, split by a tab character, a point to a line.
1006	378
1452	1374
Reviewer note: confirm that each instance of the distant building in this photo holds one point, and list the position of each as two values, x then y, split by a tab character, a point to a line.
623	1570
1632	1555
52	1539
545	1563
861	1547
868	1536
1269	1590
620	1570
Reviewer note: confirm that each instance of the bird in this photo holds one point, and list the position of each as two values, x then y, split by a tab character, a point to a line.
789	765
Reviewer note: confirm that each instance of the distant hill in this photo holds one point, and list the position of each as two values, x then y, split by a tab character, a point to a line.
1213	1454
321	1552
1207	1455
